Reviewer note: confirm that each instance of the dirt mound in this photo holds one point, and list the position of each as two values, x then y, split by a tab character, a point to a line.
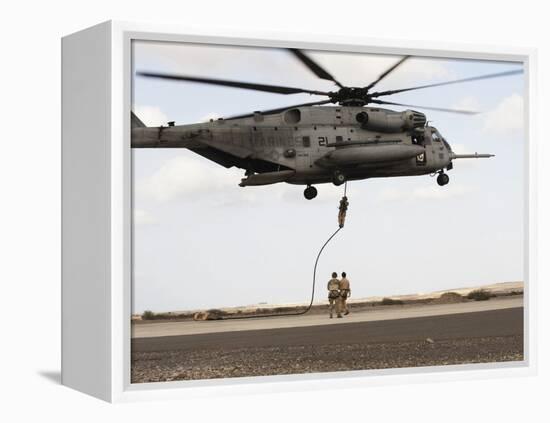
208	315
449	298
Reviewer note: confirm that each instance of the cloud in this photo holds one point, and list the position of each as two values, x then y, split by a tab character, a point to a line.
460	148
143	217
151	115
506	116
186	175
467	103
432	192
228	62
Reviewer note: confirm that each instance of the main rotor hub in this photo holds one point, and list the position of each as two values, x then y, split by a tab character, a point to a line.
354	102
351	96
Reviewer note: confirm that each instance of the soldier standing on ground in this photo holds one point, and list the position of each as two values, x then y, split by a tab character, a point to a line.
334	295
345	292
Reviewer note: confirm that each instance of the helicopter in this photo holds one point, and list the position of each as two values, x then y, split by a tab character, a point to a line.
313	143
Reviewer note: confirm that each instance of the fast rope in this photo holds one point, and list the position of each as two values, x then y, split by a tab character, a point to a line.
344	204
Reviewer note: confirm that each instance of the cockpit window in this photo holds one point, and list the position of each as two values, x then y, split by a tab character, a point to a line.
435	137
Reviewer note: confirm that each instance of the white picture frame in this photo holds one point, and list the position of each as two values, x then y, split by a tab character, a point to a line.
97	214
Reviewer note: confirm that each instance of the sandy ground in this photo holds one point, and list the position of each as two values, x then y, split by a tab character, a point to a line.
438	339
496	289
168	328
278	360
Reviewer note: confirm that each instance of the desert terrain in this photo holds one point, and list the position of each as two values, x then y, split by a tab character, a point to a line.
440	328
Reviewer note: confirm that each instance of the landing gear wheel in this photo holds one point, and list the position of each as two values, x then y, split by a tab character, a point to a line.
442	179
310	192
338	178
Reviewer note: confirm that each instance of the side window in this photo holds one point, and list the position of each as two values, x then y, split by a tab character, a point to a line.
306	141
339	138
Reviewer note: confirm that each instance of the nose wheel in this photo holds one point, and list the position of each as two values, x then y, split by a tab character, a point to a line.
442	179
310	192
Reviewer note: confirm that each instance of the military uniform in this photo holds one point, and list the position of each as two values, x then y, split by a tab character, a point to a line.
345	292
344	204
334	296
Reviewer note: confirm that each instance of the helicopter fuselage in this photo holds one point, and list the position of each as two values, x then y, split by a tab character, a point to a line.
310	145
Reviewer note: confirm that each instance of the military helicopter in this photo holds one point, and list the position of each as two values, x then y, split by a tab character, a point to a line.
309	143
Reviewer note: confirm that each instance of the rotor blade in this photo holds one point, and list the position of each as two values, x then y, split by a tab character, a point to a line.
474	78
280	109
236	84
386	73
313	66
439	109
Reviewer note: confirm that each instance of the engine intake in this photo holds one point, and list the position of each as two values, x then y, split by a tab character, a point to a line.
390	121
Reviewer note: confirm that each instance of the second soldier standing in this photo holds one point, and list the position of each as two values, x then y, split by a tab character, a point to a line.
345	293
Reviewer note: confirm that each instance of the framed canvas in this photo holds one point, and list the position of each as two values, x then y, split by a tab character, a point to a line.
255	212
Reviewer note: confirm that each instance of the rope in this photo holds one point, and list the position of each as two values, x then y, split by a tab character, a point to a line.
308	308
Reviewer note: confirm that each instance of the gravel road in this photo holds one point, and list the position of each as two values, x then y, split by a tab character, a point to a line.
483	337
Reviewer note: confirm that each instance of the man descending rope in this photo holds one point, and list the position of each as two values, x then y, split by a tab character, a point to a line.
344	204
334	295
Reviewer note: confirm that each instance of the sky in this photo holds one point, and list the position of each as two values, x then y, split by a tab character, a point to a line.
201	241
